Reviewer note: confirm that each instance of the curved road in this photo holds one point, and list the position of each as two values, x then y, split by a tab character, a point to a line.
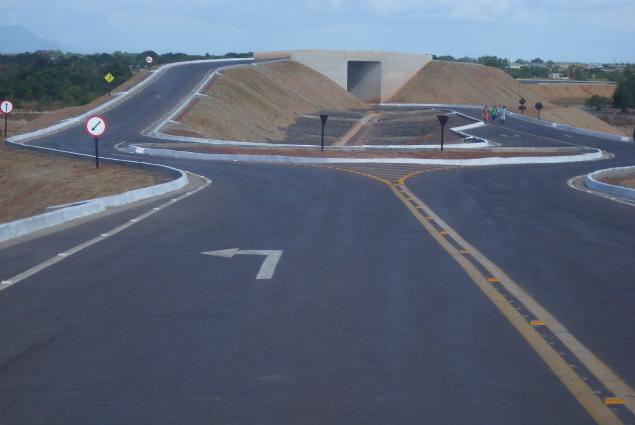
367	319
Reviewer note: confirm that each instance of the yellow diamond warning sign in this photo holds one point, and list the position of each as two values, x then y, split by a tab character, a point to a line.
109	78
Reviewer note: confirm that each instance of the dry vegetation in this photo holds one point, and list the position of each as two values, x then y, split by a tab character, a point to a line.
256	103
471	84
30	182
627	180
31	117
571	94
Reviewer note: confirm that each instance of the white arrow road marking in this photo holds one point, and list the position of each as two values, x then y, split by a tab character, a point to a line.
268	267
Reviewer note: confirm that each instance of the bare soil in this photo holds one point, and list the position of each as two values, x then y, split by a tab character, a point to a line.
257	103
626	181
408	127
30	182
471	84
427	154
625	121
571	94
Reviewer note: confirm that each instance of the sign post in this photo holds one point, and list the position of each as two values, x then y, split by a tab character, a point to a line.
109	79
323	117
95	126
6	107
443	120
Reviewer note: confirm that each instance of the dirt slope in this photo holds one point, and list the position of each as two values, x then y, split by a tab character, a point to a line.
30	182
471	84
254	103
571	94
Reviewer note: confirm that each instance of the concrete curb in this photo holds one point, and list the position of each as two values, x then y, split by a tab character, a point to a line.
21	138
281	159
80	209
619	191
362	148
155	131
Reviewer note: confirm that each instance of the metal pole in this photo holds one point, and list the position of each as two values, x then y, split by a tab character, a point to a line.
442	133
6	136
96	152
322	136
109	88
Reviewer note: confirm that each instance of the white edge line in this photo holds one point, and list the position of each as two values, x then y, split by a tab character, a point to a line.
12	281
18	228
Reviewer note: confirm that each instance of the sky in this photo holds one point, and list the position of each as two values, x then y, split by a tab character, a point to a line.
561	30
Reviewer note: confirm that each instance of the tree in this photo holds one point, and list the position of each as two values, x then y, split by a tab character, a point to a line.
494	61
537	60
598	102
624	96
538	107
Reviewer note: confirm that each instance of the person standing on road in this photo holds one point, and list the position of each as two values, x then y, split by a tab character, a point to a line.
485	114
503	114
494	113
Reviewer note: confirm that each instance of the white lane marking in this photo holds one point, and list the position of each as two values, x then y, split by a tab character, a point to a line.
6	284
268	267
504	135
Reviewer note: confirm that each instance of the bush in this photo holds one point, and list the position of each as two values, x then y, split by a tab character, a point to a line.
598	102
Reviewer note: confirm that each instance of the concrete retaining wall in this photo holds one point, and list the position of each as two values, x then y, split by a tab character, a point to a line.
592	182
396	68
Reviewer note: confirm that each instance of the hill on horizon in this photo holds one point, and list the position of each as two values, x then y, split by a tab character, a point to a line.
17	39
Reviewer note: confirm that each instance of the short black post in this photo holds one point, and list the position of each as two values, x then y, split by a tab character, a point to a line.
443	119
109	88
323	117
96	152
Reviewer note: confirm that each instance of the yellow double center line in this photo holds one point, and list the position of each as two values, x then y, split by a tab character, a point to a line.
597	407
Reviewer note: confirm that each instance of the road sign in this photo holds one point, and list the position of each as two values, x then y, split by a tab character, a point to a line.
323	117
443	120
95	126
149	59
6	107
268	266
109	78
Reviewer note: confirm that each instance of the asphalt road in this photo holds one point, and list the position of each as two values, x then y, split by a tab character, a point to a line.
366	319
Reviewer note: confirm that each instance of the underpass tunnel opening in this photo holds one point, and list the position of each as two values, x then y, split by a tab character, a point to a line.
364	80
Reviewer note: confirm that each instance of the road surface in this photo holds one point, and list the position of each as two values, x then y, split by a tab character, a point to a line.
367	318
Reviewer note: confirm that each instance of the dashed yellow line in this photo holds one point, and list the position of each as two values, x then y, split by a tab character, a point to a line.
597	407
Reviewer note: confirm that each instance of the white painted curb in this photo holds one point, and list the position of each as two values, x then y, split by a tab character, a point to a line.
592	182
258	145
281	159
25	226
21	138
